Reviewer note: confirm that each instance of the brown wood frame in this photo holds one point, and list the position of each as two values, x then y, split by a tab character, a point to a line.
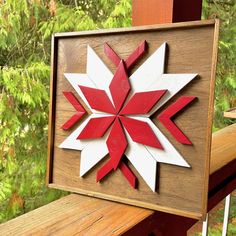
184	25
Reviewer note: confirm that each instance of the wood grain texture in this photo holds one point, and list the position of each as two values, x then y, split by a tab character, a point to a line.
77	215
152	27
223	165
210	115
81	215
191	47
230	113
223	148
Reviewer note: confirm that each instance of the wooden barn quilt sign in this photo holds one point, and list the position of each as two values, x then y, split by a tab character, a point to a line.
131	113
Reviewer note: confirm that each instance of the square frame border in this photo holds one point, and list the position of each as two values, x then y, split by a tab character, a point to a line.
51	126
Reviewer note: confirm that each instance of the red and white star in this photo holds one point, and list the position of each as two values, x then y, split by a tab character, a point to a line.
121	105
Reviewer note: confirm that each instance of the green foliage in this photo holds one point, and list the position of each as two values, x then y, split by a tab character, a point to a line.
225	94
25	35
232	217
218	232
216	220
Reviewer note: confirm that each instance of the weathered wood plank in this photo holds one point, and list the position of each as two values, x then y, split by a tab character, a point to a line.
223	165
77	215
223	148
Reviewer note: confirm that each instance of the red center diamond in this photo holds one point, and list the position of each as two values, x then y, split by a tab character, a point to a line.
138	104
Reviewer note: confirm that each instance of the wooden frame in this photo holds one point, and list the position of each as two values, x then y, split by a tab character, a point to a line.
200	208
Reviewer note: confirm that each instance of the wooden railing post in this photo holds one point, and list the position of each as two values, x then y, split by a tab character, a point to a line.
147	12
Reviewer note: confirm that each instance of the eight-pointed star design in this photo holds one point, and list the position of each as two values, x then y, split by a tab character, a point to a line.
120	123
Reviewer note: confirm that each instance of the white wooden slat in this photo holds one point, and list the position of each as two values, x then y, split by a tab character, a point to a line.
92	154
205	227
169	155
76	79
143	162
98	72
226	215
149	71
71	142
150	76
173	83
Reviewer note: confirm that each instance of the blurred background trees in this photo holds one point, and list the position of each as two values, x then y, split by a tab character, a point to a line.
26	27
25	36
225	93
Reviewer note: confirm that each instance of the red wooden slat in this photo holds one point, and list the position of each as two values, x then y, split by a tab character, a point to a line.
140	132
128	174
96	127
112	54
98	99
74	102
142	103
104	170
78	107
133	58
116	143
72	121
119	86
166	116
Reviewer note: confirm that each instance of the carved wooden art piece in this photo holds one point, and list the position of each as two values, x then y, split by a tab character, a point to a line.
121	107
130	115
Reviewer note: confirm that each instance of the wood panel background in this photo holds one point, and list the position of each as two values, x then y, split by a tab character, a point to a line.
192	48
